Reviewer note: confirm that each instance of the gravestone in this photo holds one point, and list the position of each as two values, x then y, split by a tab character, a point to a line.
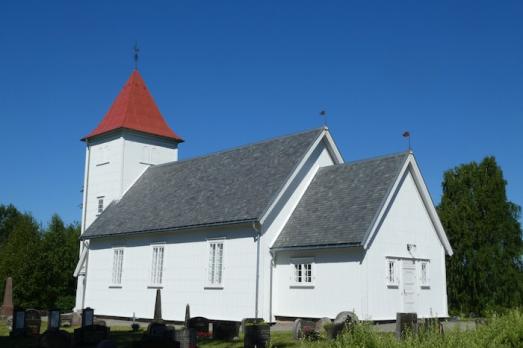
55	339
406	323
225	330
7	306
53	319
186	337
158	306
187	315
33	322
257	335
88	317
200	325
343	321
18	328
90	333
301	328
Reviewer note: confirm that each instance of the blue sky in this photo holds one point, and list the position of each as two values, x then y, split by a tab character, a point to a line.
226	73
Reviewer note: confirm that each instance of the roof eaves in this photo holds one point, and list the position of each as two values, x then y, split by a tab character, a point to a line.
317	246
174	228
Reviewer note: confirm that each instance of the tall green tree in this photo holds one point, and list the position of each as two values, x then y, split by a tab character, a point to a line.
8	213
19	259
59	256
486	271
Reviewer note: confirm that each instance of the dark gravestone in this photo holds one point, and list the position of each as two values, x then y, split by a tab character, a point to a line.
158	306
7	306
18	328
187	315
200	325
55	339
406	323
106	344
159	335
225	330
186	337
90	335
53	319
88	317
246	321
33	322
257	335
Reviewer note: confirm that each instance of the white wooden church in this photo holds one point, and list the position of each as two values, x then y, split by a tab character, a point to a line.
278	228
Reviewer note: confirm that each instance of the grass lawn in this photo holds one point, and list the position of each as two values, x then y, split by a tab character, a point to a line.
124	337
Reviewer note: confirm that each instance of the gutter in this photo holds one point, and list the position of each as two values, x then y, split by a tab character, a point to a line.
167	229
321	246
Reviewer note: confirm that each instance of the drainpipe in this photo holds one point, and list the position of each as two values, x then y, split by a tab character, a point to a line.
257	237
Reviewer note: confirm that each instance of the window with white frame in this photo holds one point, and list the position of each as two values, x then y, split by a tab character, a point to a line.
157	265
391	272
215	269
117	266
100	207
424	274
302	271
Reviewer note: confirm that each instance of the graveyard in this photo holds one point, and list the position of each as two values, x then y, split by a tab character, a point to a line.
499	331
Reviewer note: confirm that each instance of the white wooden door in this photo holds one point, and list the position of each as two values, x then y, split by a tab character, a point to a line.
409	286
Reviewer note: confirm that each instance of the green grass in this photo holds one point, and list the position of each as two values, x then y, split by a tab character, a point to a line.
500	331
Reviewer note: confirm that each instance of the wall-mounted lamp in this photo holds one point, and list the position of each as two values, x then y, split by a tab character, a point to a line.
411	248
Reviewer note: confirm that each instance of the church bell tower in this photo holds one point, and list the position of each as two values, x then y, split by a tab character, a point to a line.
131	137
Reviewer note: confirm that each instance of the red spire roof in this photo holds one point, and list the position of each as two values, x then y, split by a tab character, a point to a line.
134	108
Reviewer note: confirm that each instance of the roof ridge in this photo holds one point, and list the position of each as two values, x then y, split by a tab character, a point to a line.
238	147
375	158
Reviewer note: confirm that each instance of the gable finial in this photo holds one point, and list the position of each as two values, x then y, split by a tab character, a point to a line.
406	134
136	50
323	114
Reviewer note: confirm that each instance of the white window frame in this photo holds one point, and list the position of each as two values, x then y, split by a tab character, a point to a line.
157	272
392	278
302	272
215	267
424	274
116	279
98	200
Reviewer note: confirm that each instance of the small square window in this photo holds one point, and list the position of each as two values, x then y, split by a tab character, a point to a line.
302	272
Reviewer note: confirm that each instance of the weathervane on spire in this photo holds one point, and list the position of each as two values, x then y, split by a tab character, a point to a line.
323	114
136	50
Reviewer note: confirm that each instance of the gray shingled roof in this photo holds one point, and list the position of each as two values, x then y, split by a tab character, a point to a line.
341	203
225	187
